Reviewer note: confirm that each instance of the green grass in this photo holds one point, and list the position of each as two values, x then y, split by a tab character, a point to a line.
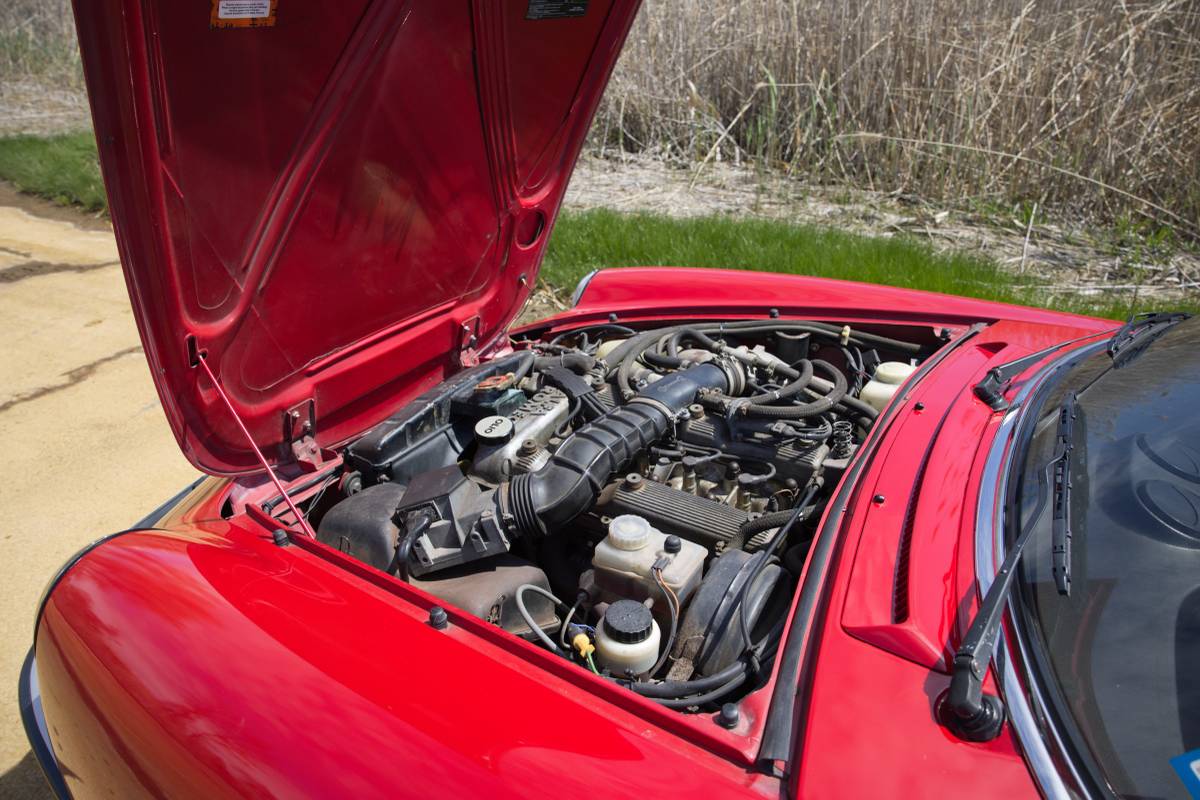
63	168
585	241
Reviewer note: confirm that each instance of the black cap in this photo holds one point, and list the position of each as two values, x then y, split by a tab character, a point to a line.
628	622
438	618
672	544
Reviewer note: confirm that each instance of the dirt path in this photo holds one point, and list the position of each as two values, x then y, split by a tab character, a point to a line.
87	449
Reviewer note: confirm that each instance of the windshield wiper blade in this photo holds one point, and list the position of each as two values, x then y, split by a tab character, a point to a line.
1138	332
964	709
1061	532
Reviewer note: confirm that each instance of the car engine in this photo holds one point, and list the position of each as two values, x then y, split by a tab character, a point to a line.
638	501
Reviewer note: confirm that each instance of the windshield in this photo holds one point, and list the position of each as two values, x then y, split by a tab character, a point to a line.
1120	655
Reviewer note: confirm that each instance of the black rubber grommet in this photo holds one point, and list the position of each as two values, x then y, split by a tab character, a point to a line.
438	618
982	726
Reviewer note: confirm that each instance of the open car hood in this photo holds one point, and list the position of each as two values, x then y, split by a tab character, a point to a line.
336	204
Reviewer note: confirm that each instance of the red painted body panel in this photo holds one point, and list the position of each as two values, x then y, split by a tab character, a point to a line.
341	209
331	199
205	661
649	293
215	664
863	702
900	591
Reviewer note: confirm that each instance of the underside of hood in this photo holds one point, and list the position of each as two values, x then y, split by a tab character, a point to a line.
335	204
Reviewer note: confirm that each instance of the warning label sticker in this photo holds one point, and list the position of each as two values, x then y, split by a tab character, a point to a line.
555	9
243	13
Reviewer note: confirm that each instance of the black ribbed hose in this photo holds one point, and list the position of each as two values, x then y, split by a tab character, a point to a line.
569	483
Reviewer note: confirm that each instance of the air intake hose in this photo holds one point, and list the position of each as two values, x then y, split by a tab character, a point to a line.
540	502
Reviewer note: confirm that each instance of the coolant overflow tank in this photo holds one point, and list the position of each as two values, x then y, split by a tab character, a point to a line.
623	561
885	383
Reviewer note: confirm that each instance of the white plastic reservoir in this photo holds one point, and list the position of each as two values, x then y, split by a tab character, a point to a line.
883	386
623	560
628	638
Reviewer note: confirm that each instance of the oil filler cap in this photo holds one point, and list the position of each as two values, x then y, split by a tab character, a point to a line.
494	430
628	622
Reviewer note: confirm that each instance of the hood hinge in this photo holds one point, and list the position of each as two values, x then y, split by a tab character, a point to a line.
468	340
299	425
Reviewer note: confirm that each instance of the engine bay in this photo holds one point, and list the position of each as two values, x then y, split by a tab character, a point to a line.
638	501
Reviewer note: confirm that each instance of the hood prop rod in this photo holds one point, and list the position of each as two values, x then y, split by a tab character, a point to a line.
201	358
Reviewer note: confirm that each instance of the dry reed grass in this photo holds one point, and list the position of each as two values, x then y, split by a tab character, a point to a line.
1091	106
37	41
1082	106
41	85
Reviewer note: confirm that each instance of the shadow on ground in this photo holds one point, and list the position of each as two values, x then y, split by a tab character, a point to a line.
25	781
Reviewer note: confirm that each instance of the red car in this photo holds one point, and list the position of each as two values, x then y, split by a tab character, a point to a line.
706	533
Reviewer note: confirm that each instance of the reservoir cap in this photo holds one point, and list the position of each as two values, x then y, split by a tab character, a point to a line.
629	532
494	430
628	622
893	372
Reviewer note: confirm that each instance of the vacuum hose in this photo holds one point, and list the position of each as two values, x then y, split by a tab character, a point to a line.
568	484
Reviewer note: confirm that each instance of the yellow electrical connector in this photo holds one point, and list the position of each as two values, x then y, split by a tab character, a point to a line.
583	644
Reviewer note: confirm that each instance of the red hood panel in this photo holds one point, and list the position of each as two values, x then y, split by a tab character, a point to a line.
325	202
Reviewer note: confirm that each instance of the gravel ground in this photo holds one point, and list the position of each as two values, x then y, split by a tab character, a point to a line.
30	106
1068	258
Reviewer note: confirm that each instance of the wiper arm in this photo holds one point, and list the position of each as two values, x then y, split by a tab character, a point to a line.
993	386
1061	531
1126	344
1138	332
965	709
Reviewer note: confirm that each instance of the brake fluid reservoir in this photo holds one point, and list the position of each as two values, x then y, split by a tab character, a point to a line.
887	379
628	638
623	561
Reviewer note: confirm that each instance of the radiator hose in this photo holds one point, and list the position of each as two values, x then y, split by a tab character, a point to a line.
540	502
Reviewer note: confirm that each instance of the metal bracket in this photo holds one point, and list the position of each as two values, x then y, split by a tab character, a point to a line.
299	426
468	340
